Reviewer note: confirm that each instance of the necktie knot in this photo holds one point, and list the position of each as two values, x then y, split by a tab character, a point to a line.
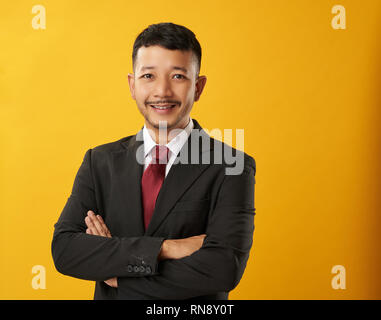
160	154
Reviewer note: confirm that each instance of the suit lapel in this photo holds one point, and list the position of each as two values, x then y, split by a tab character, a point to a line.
181	176
129	172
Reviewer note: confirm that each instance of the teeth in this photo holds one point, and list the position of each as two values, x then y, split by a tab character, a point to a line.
161	107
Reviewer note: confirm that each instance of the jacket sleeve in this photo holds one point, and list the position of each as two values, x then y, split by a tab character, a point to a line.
220	262
91	257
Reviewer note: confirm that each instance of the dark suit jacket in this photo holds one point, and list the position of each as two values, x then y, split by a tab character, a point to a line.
194	199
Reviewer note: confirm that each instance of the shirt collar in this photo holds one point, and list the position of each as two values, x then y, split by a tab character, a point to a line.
174	145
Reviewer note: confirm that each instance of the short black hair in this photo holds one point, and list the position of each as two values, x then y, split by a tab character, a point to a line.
170	36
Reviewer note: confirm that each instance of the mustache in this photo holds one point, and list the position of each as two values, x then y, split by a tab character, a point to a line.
163	102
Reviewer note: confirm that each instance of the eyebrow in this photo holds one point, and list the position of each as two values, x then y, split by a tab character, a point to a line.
153	67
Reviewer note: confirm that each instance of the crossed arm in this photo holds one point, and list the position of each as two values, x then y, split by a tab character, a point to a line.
170	249
175	269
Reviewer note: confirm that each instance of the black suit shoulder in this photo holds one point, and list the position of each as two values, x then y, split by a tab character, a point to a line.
113	146
98	157
229	152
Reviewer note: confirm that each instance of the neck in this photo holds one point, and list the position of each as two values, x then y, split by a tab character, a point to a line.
163	135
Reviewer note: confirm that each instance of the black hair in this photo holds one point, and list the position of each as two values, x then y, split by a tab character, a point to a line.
170	36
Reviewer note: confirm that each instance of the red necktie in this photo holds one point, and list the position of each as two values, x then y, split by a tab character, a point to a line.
152	180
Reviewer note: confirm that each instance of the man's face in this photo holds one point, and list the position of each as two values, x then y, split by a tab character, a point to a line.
164	85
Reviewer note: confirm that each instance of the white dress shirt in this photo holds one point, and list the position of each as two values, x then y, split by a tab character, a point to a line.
174	146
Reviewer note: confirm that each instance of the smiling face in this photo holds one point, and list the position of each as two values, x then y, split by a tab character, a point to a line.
165	86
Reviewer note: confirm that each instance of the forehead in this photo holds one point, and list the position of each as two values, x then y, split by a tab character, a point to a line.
157	57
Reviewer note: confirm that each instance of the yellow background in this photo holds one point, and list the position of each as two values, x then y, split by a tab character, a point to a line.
308	97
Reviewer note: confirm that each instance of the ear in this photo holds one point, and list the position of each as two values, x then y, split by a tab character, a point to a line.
131	83
200	84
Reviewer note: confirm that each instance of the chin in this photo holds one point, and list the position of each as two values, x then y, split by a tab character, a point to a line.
170	122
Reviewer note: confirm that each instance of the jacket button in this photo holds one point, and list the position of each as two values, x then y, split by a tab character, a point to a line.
136	269
129	268
148	269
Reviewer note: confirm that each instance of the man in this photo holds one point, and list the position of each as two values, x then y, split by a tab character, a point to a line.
158	216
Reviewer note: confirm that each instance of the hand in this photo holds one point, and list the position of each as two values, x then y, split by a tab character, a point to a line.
96	226
180	248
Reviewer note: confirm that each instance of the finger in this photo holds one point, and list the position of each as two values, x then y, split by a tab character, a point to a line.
101	225
97	229
107	231
112	282
97	225
91	226
88	231
90	213
88	220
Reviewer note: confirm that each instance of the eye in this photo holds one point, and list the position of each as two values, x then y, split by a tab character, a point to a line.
147	74
180	75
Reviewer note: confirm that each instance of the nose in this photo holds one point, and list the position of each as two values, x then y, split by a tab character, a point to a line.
163	88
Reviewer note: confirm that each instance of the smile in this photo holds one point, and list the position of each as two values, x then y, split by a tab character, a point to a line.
163	107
